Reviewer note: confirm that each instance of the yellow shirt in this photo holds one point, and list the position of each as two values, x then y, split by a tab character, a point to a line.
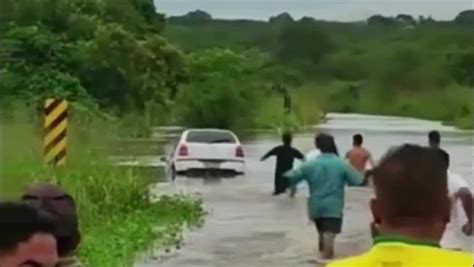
400	252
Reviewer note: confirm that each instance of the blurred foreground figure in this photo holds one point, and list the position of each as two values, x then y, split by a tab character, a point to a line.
61	207
411	208
26	237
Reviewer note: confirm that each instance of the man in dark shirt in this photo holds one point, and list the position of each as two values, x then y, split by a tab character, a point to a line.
434	139
286	155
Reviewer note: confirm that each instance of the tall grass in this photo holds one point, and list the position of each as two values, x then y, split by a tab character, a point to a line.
118	219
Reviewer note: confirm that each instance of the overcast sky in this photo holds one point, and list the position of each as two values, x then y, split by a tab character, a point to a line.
342	10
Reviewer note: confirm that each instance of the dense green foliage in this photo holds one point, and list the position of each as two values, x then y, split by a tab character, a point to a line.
123	57
119	217
391	65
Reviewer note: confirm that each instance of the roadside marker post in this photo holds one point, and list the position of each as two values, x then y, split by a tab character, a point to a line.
55	129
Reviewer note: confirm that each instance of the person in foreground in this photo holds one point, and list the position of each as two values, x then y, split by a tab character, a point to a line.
327	176
458	191
285	155
411	207
26	237
61	207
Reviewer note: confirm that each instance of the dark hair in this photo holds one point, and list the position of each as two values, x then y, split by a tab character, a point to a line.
325	143
19	222
357	139
411	182
287	138
434	138
61	207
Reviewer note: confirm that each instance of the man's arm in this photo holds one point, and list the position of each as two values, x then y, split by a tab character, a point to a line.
465	195
298	154
371	160
270	153
295	176
353	177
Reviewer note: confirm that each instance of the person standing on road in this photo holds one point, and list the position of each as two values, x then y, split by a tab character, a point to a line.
327	176
285	155
358	156
411	207
434	141
458	191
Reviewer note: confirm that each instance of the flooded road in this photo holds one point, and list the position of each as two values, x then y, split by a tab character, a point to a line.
247	226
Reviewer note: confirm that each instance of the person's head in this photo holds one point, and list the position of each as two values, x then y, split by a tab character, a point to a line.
26	237
287	138
325	143
411	191
60	206
434	139
357	140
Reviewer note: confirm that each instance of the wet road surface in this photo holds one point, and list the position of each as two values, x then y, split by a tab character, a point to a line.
246	226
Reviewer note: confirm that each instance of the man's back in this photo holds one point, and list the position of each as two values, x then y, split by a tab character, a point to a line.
285	157
358	157
397	252
326	176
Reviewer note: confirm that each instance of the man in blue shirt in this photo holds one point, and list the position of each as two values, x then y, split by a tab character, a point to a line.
327	176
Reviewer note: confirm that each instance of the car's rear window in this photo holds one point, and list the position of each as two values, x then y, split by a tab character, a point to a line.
210	137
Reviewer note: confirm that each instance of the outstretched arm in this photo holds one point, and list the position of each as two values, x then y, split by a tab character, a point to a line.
354	177
465	195
295	176
298	155
270	153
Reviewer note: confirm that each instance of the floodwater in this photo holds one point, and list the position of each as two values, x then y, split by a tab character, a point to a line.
247	226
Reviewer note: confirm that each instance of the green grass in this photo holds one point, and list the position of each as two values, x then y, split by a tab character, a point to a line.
118	219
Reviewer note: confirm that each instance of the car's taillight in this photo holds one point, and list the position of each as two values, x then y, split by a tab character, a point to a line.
183	151
239	152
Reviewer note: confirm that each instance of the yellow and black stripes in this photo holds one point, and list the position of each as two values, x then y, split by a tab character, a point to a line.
55	126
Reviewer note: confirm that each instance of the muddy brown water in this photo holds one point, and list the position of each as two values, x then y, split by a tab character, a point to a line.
246	226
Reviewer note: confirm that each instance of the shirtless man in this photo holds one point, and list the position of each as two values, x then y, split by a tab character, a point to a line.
358	156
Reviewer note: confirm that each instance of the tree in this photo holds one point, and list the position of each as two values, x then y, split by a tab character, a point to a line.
406	19
303	42
466	17
222	91
282	18
381	20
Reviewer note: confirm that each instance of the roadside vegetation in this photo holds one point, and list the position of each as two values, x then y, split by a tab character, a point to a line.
119	221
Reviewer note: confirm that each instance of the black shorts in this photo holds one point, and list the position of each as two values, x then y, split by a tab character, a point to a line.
328	225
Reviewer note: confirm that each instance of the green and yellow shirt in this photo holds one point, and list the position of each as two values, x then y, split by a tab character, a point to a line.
402	252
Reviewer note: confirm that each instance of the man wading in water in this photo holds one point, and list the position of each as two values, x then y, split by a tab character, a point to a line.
358	156
327	176
285	155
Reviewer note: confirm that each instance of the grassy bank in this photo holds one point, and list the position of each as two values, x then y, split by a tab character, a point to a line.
118	220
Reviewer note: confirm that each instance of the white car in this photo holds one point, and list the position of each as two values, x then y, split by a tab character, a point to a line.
204	150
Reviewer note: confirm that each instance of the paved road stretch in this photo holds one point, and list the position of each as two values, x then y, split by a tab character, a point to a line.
247	226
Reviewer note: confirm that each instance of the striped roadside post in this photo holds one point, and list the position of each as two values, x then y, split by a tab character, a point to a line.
55	127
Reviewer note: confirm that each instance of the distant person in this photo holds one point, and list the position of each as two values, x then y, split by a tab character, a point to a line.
411	207
458	191
61	207
358	156
326	175
434	141
26	237
285	155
